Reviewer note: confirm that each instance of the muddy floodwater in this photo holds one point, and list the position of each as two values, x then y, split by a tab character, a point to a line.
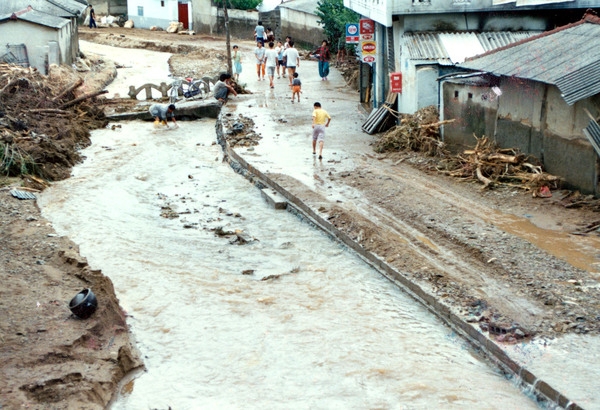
288	320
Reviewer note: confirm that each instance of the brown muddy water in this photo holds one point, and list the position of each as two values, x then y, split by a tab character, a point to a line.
288	320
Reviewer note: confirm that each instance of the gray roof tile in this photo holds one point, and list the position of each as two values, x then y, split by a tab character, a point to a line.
567	57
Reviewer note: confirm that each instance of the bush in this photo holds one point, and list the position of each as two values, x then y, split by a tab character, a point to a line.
240	4
334	17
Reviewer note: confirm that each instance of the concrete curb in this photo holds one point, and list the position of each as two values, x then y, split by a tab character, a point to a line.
190	110
541	389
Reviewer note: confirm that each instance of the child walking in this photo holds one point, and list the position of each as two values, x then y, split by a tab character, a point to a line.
237	63
296	87
320	121
259	53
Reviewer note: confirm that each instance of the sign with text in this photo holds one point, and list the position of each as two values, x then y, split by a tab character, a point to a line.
367	26
367	29
368	49
396	83
352	33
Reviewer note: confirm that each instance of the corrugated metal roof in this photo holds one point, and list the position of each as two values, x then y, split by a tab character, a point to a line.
592	132
59	8
17	193
426	46
461	45
453	48
37	17
567	57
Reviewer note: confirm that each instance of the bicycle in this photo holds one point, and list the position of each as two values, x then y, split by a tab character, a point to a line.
189	88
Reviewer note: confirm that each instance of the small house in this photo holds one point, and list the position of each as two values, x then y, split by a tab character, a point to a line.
540	95
70	10
35	39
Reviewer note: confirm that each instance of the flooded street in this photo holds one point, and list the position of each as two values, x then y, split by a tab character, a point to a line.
288	320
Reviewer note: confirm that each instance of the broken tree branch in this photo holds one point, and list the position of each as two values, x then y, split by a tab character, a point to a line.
67	90
83	98
486	182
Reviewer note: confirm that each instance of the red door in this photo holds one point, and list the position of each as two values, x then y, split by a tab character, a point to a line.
183	14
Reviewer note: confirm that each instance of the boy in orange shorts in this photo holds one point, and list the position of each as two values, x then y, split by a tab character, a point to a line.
296	87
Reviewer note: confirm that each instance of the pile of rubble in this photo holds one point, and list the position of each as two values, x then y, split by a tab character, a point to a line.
43	121
240	131
418	132
493	165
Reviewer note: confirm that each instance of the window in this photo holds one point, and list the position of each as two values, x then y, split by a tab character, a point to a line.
470	95
162	3
140	10
455	94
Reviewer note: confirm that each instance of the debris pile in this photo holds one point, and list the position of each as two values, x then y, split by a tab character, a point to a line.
240	132
418	132
485	162
43	122
492	165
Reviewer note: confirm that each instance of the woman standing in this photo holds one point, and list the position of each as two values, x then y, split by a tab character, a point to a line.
323	55
237	63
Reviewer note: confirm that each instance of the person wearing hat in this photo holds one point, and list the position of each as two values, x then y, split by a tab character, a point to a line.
162	112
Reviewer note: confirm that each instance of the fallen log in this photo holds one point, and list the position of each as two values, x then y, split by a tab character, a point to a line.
48	111
83	98
67	90
533	168
437	124
11	83
591	227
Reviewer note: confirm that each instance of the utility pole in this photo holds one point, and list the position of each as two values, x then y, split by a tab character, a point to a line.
227	37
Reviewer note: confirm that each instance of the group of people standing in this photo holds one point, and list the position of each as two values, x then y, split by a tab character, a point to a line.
285	57
280	58
276	59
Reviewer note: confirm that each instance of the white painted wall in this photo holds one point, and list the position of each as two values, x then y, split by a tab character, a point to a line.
204	16
303	27
36	38
427	86
148	13
378	10
300	19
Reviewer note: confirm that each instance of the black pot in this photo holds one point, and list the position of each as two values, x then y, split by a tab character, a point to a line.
84	304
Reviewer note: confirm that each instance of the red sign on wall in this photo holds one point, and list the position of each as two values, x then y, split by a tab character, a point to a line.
367	26
396	83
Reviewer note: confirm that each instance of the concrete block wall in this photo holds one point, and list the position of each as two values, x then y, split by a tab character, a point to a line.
472	114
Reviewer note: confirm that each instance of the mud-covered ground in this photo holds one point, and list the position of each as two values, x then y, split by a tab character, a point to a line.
455	249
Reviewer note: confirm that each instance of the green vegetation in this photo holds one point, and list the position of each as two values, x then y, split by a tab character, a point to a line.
334	17
14	162
240	4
